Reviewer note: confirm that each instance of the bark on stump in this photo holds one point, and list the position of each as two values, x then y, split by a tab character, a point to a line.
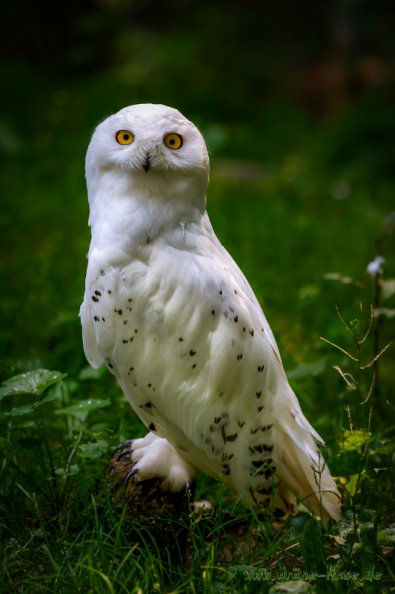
153	517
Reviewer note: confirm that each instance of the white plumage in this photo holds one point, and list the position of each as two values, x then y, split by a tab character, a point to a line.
174	319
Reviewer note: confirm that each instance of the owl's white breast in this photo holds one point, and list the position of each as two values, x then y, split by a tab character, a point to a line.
174	319
172	316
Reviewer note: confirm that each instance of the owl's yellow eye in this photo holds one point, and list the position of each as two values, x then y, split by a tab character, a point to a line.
173	141
124	137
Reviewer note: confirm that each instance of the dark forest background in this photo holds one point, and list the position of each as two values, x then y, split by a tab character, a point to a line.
223	59
296	101
219	61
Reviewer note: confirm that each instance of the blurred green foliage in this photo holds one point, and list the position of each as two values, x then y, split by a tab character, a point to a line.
297	106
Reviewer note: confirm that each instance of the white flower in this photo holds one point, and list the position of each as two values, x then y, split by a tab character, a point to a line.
376	266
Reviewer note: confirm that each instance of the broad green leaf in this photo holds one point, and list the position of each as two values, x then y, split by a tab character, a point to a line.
72	470
28	409
93	449
20	411
351	485
81	410
32	382
307	370
353	440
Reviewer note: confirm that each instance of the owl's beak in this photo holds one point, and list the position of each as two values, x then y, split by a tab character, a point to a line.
147	163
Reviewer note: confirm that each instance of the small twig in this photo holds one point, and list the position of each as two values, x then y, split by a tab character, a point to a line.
376	358
340	349
367	333
370	389
348	413
348	377
347	325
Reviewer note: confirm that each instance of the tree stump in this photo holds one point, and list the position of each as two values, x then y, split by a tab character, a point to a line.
153	518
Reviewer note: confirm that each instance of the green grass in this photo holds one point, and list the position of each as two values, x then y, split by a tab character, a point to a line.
320	204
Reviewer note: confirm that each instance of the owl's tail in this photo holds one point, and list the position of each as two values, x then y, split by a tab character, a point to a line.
303	471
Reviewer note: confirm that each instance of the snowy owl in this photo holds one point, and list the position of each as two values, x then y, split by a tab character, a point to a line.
173	318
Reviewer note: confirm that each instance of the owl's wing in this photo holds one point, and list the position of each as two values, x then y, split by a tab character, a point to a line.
97	310
89	337
300	465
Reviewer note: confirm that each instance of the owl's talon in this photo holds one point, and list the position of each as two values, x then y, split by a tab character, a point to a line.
154	458
123	454
124	449
130	475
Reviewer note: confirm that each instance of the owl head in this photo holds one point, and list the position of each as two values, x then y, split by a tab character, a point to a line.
147	140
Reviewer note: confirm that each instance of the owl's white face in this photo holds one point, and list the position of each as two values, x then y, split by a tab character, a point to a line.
147	139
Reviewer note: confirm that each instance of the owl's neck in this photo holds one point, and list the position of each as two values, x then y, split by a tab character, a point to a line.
130	211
